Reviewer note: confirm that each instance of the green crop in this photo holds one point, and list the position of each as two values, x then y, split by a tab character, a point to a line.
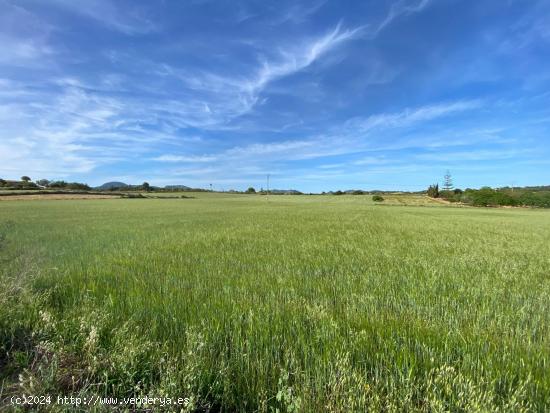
286	303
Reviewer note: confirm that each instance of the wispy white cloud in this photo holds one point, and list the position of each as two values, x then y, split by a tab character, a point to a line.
298	12
372	160
21	52
353	136
187	159
219	98
216	100
72	131
228	97
454	156
532	27
408	117
283	147
292	61
130	21
398	9
24	44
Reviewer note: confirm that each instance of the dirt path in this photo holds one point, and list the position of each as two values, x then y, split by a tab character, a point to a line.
55	196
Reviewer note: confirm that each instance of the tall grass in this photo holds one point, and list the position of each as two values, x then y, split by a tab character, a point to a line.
302	304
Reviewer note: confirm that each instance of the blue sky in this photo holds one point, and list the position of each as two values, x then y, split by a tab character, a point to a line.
321	95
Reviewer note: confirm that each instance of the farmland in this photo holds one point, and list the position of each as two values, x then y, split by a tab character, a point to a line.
295	303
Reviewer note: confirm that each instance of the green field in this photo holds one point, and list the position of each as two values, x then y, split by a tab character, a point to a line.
292	303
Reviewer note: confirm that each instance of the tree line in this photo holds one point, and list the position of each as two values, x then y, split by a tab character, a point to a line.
26	183
487	196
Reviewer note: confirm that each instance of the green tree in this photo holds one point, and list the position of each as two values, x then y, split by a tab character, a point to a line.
433	191
251	190
448	181
25	178
43	182
58	184
146	187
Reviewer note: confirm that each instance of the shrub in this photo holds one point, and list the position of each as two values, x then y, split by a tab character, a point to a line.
451	196
487	196
537	199
377	198
78	185
133	196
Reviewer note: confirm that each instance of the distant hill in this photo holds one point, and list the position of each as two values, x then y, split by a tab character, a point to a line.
109	186
177	187
112	185
285	192
528	188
